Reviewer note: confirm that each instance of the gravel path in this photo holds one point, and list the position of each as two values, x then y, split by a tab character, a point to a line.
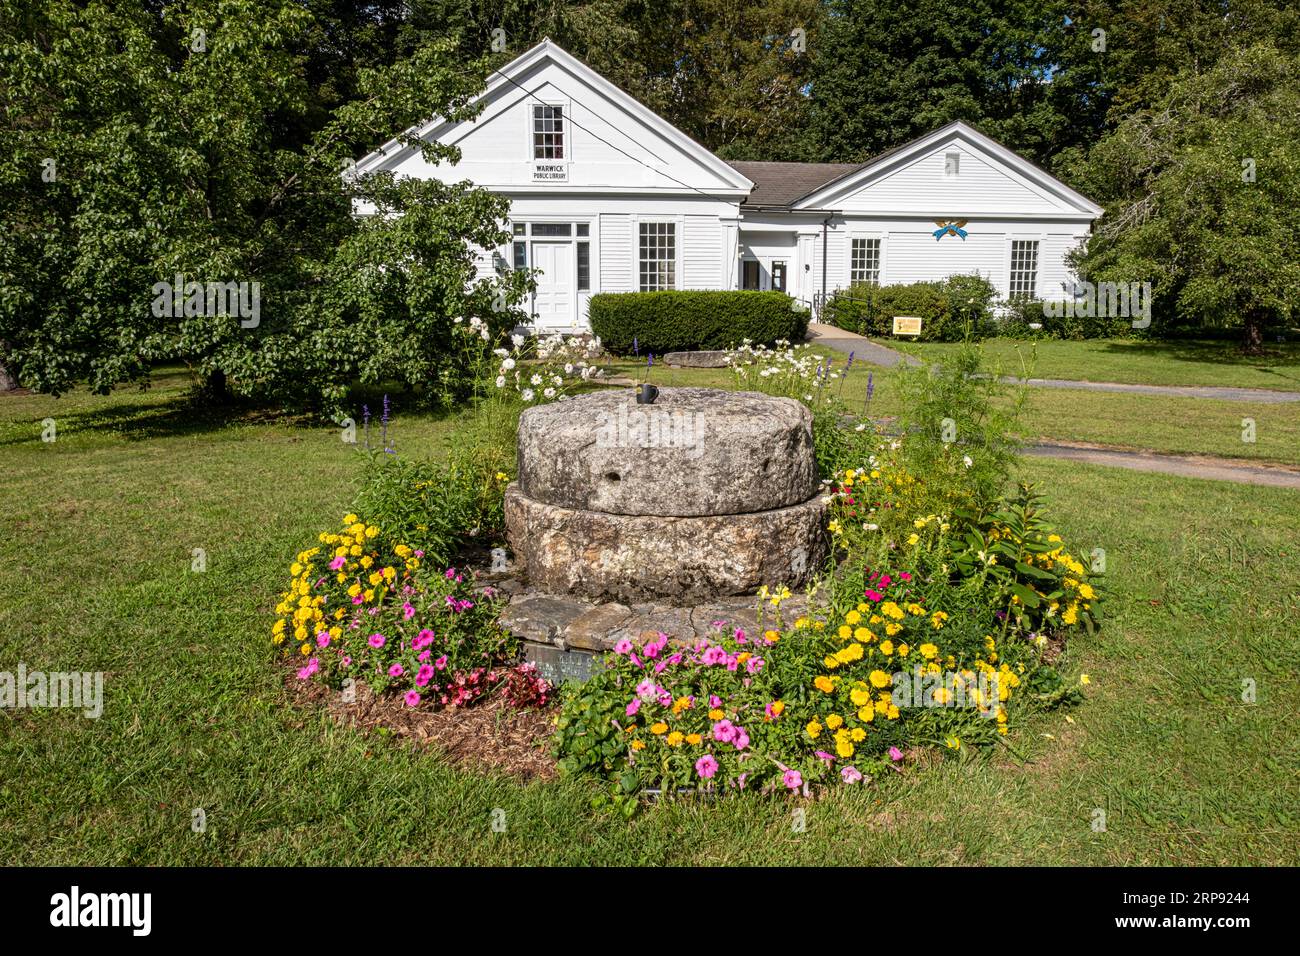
1186	466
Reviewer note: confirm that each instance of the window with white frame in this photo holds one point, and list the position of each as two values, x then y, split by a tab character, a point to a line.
658	256
864	261
548	132
1024	269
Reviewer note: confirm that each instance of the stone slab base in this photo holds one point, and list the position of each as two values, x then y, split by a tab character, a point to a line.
679	561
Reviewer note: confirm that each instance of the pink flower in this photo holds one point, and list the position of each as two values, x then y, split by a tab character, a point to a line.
714	655
408	611
706	767
905	576
646	689
624	646
423	639
753	665
885	579
338	562
895	753
850	775
715	701
377	640
358	600
634	706
823	755
725	731
322	639
742	739
792	779
396	670
441	662
312	667
874	595
424	675
424	656
412	698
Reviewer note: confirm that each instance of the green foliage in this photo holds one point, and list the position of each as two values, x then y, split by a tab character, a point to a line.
1019	314
961	429
1037	582
1200	194
955	309
189	140
659	322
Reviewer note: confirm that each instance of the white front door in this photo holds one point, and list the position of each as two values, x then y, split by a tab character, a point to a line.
553	302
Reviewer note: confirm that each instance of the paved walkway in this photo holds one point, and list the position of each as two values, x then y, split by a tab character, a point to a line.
863	349
1263	396
1186	466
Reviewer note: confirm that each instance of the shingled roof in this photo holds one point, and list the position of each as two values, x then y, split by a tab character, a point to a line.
780	184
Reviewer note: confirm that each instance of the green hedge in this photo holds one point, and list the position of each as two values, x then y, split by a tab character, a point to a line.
1021	314
947	309
686	321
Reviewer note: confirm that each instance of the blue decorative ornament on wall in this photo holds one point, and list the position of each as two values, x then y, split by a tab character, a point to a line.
953	228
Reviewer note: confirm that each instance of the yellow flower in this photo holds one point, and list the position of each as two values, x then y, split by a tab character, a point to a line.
863	635
674	739
778	708
693	739
879	679
867	714
887	648
716	714
913	538
1085	679
857	734
1086	591
852	652
890	609
638	745
813	729
372	532
844	632
659	728
853	617
859	696
834	720
891	628
824	684
937	619
952	743
349	519
929	651
775	636
502	476
844	748
903	650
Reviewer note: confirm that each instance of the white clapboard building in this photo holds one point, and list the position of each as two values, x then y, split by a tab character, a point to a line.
606	196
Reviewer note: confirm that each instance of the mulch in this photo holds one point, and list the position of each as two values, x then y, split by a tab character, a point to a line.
489	734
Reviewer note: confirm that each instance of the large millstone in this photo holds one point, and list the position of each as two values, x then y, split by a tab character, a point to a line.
694	452
705	493
634	557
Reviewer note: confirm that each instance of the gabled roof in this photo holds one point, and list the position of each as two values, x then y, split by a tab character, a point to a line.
780	184
892	159
511	76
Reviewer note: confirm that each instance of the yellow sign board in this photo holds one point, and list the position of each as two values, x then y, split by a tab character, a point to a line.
907	325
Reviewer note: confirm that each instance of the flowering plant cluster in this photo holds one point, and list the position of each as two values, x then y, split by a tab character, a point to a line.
557	366
361	606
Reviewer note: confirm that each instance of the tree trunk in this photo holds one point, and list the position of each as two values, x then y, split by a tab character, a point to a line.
1252	332
8	379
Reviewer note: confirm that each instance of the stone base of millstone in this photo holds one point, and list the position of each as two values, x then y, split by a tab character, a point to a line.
565	636
680	561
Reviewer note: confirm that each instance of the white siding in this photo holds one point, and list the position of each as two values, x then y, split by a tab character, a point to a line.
915	256
617	257
701	253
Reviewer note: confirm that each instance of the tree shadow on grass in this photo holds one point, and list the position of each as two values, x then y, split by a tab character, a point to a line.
1282	361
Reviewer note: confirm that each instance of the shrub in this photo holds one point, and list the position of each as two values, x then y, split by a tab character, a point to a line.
1018	315
364	605
956	308
659	322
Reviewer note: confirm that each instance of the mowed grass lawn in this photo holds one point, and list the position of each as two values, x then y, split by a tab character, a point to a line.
95	556
1172	425
1138	362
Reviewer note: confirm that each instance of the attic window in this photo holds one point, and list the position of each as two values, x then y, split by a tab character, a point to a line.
951	165
548	132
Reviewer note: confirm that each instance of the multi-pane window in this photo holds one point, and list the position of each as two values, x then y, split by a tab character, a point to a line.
658	256
548	132
864	262
749	274
584	266
519	248
1024	268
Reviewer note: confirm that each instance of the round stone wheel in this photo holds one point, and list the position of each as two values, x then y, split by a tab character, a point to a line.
693	452
634	558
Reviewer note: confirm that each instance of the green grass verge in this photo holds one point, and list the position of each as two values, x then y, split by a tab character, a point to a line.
95	575
1137	362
